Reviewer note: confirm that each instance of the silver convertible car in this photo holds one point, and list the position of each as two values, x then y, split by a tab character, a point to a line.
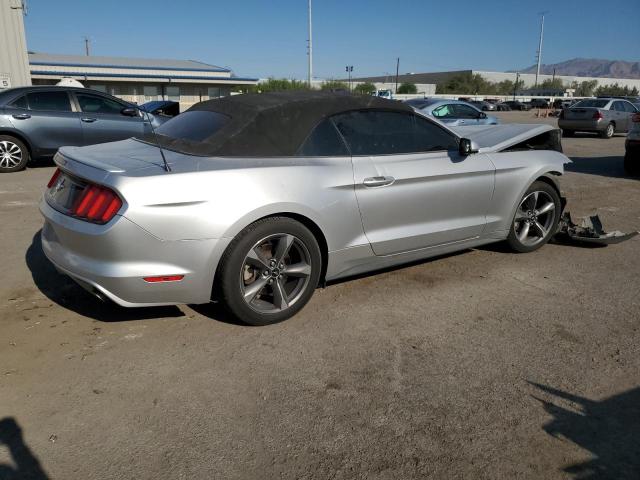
255	200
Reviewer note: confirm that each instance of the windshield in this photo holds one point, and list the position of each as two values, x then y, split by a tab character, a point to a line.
589	103
194	125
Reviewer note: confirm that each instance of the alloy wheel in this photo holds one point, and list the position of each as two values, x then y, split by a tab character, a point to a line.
275	273
10	154
534	218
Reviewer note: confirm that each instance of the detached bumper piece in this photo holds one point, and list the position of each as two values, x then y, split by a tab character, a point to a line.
590	231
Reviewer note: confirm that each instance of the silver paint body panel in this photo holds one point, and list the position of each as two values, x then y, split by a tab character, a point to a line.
181	222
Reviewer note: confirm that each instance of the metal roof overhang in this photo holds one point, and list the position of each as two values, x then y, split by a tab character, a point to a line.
44	74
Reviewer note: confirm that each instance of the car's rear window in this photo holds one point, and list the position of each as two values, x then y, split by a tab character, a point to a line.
194	126
591	104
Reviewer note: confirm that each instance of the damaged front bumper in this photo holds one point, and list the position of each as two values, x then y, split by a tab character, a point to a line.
590	231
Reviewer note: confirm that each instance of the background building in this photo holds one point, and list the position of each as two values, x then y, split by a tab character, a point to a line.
139	80
528	79
14	66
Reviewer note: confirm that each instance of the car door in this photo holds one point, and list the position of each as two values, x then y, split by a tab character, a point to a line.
414	189
103	120
467	114
621	117
47	119
630	111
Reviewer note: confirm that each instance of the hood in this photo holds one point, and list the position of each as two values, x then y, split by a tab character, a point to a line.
493	138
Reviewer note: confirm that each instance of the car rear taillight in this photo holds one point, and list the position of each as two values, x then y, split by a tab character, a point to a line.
96	204
636	118
598	115
54	177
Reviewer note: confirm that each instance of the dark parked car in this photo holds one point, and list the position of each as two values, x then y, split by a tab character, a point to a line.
503	107
540	103
165	108
517	105
632	147
36	121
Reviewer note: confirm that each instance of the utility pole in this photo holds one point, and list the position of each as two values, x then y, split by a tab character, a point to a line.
515	86
397	72
86	46
310	48
540	47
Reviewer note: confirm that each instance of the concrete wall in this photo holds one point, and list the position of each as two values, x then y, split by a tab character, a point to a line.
14	63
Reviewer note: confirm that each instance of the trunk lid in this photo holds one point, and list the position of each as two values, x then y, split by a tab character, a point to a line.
580	113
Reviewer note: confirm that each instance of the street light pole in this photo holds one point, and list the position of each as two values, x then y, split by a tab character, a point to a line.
349	69
515	86
310	48
540	47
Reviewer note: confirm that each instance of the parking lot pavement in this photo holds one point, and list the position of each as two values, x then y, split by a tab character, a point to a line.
482	365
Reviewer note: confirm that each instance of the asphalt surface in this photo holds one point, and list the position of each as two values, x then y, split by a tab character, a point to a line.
479	365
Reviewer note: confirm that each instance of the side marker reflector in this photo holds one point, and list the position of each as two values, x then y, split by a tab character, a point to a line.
164	278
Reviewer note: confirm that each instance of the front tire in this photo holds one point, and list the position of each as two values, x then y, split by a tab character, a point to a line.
14	154
536	218
270	271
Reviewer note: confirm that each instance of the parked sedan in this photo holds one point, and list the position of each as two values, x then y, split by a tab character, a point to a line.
36	121
259	198
452	112
503	107
605	116
632	147
517	105
482	105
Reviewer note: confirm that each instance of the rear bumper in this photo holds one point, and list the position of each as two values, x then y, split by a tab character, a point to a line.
111	260
587	125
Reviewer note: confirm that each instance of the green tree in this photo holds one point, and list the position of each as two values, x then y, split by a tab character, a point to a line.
552	84
616	89
334	85
408	88
279	84
365	88
585	88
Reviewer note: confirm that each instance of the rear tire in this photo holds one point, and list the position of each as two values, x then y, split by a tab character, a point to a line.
609	131
536	218
14	154
269	271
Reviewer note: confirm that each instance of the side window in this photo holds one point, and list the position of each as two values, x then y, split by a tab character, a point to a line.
324	141
445	111
464	111
433	138
373	132
20	102
384	133
618	107
49	101
629	107
96	104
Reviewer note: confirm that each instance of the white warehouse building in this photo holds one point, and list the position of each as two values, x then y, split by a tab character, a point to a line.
139	80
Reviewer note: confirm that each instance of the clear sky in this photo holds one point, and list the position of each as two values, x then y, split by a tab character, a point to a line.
268	37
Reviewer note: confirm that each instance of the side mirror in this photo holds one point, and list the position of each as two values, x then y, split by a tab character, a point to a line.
482	115
467	147
129	112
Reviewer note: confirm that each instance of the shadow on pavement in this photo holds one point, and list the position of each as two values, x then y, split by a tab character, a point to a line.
27	465
612	166
66	293
609	429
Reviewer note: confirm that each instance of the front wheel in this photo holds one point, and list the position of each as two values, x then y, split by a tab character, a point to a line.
270	271
536	218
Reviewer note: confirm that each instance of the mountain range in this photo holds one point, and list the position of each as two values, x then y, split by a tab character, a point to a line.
590	67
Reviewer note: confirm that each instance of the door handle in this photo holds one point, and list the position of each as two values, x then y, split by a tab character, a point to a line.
22	116
88	119
378	181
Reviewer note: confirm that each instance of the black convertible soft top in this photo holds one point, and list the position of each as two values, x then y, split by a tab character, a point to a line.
270	124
